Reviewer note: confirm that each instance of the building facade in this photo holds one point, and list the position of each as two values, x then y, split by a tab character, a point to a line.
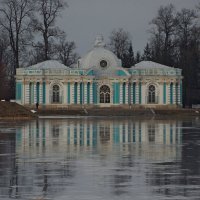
99	79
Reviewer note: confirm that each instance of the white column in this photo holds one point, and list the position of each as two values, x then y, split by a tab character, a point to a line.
161	95
40	93
27	93
179	95
66	89
35	93
48	93
168	93
174	93
143	94
91	93
78	93
126	93
131	93
121	94
72	92
85	93
137	92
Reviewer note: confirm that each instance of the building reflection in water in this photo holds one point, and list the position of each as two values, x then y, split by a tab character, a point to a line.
50	153
56	135
180	177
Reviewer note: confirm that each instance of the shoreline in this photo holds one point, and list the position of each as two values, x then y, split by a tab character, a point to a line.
12	111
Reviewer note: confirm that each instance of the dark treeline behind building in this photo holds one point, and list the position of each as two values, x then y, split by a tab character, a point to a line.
29	34
174	41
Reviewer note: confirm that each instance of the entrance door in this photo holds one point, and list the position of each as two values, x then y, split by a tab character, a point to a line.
104	94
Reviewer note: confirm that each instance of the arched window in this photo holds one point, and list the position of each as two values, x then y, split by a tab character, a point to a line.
152	94
56	94
104	94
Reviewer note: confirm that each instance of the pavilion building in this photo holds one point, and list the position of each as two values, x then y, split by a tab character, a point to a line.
98	79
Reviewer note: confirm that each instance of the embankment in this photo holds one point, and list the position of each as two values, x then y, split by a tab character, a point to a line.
14	111
118	111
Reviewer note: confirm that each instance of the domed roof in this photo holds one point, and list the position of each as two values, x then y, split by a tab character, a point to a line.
151	65
99	57
49	64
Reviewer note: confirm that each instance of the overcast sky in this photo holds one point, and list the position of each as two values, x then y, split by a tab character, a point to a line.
84	19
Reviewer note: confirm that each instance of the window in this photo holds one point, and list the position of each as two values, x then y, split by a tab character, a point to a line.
56	94
152	94
104	94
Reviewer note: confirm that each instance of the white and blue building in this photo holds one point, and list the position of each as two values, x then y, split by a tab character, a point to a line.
98	79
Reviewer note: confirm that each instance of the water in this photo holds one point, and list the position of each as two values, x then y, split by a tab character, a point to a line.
100	159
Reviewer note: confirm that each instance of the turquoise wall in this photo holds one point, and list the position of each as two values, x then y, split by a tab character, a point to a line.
95	93
68	93
116	92
38	92
121	73
44	93
140	93
88	93
164	93
171	93
134	93
18	91
90	73
81	92
124	93
76	93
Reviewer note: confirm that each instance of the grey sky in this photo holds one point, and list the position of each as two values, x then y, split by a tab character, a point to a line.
84	19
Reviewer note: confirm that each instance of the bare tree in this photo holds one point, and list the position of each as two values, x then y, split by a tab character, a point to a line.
44	23
4	67
15	20
120	41
164	26
66	52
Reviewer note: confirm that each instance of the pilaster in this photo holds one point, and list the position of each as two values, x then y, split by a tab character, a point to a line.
121	93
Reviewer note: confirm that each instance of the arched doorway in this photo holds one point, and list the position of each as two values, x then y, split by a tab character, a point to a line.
104	94
56	94
152	94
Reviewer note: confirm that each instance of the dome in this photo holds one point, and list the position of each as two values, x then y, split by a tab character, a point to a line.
150	65
49	64
100	58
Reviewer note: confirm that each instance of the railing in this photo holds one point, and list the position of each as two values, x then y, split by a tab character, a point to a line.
153	72
73	72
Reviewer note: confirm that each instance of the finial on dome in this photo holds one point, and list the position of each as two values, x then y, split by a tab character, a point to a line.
99	41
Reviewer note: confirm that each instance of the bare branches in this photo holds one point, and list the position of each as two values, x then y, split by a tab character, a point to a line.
15	20
120	41
49	10
65	50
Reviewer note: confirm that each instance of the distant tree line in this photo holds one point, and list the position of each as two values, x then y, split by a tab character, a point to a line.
29	34
174	41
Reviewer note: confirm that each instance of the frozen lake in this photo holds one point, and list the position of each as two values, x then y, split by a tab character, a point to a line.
100	159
